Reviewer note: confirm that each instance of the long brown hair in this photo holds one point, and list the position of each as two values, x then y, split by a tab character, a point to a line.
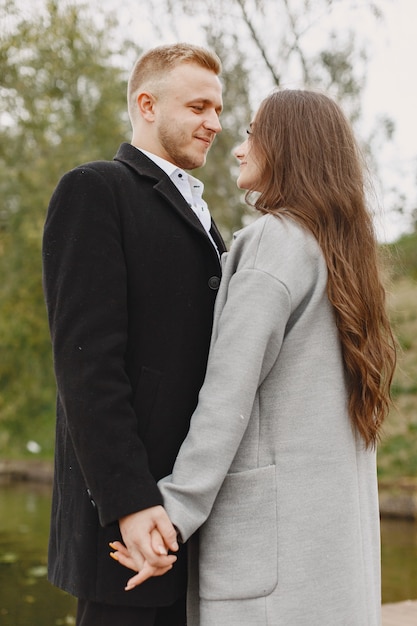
312	170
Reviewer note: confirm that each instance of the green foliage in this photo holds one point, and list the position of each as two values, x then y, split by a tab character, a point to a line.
398	450
62	103
404	256
398	454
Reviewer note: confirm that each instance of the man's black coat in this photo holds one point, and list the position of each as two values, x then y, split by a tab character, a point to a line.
130	281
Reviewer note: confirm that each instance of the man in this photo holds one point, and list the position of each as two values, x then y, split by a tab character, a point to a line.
131	270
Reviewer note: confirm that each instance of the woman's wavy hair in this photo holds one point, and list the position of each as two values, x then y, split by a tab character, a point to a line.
312	170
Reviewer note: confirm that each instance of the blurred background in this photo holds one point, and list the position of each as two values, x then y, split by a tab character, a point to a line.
63	72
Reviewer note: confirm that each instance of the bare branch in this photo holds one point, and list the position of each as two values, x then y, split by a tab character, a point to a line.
296	45
258	43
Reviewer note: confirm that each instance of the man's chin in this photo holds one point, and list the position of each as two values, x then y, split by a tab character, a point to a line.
195	164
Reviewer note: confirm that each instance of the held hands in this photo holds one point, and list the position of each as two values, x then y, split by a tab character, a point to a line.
122	556
148	535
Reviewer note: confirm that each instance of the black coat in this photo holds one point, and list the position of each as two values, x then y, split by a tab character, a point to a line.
130	280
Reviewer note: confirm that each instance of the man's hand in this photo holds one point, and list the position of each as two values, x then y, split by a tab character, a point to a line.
121	555
147	550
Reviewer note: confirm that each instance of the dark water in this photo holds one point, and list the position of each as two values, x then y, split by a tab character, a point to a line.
399	560
27	599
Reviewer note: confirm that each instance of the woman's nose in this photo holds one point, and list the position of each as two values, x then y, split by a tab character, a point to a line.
239	151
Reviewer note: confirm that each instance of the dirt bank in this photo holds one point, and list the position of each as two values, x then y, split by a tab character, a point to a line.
26	471
397	498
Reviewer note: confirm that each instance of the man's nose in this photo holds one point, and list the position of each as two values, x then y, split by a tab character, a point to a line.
212	122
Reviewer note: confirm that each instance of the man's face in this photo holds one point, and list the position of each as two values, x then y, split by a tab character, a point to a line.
187	115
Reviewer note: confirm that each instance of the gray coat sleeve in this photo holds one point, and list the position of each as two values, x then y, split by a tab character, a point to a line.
246	343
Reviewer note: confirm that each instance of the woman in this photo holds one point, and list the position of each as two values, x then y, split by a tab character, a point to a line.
278	470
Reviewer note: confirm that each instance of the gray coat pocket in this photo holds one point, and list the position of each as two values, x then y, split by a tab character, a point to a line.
238	543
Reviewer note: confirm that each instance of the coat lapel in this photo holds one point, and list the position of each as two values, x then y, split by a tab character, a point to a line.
218	239
144	166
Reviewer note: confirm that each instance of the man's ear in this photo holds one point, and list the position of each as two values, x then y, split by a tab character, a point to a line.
146	105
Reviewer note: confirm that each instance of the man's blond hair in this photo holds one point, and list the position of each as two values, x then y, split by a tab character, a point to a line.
155	65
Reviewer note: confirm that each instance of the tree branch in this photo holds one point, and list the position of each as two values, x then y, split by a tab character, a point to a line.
258	42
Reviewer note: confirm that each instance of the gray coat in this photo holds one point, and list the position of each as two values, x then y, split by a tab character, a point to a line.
283	490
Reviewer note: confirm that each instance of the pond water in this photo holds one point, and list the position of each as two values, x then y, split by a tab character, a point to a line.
27	599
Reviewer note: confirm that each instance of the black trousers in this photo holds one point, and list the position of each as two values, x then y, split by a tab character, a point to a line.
96	614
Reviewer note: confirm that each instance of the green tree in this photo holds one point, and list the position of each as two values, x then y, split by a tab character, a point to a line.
63	77
289	42
62	102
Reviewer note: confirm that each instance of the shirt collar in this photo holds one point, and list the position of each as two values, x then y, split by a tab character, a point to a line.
169	168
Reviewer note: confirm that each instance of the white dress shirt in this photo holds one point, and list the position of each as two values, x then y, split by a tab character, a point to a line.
190	188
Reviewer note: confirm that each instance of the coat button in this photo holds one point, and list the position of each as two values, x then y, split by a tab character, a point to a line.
214	282
91	499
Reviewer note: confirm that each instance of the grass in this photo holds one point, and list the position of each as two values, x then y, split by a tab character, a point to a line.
397	455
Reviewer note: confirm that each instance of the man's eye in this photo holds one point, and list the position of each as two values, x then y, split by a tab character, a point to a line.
197	107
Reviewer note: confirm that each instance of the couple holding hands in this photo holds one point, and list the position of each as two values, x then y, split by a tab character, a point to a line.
218	412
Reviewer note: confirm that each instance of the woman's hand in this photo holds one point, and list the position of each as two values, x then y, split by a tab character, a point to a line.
121	555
